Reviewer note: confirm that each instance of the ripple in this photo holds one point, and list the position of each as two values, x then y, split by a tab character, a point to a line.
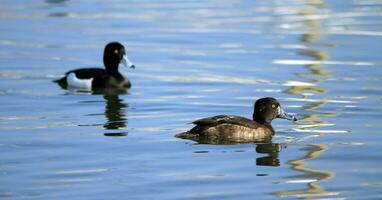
315	125
302	181
355	32
230	45
314	195
209	78
319	100
351	143
44	126
320	131
319	62
79	180
22	75
82	171
171	97
298	83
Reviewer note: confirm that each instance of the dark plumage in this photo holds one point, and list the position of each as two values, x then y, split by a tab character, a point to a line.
97	78
236	129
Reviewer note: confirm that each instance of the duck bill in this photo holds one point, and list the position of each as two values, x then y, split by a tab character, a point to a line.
283	115
125	61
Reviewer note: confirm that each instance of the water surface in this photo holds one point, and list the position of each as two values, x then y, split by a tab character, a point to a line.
193	59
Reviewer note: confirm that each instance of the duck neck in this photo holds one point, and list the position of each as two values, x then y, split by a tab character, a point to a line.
261	120
112	70
111	65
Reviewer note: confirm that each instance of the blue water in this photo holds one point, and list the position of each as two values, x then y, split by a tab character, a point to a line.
193	59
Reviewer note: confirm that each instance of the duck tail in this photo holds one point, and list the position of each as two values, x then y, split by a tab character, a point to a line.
181	135
61	82
187	135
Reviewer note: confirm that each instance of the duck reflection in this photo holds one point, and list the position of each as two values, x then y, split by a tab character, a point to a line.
115	115
56	2
113	112
272	150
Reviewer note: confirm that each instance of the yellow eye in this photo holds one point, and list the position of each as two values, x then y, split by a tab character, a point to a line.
273	105
116	51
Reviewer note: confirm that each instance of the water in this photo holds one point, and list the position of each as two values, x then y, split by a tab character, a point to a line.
193	59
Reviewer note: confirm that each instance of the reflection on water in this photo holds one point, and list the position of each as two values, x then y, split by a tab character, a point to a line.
316	73
59	2
310	176
115	108
115	115
272	150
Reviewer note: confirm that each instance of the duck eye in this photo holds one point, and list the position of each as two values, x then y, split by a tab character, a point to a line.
116	51
274	106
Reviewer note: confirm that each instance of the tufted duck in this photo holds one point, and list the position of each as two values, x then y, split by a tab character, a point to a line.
235	129
97	78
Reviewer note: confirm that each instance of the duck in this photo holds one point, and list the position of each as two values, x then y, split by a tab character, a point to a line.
223	129
98	78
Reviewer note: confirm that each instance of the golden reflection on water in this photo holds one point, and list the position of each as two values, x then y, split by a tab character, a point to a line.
315	71
313	106
315	74
313	176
